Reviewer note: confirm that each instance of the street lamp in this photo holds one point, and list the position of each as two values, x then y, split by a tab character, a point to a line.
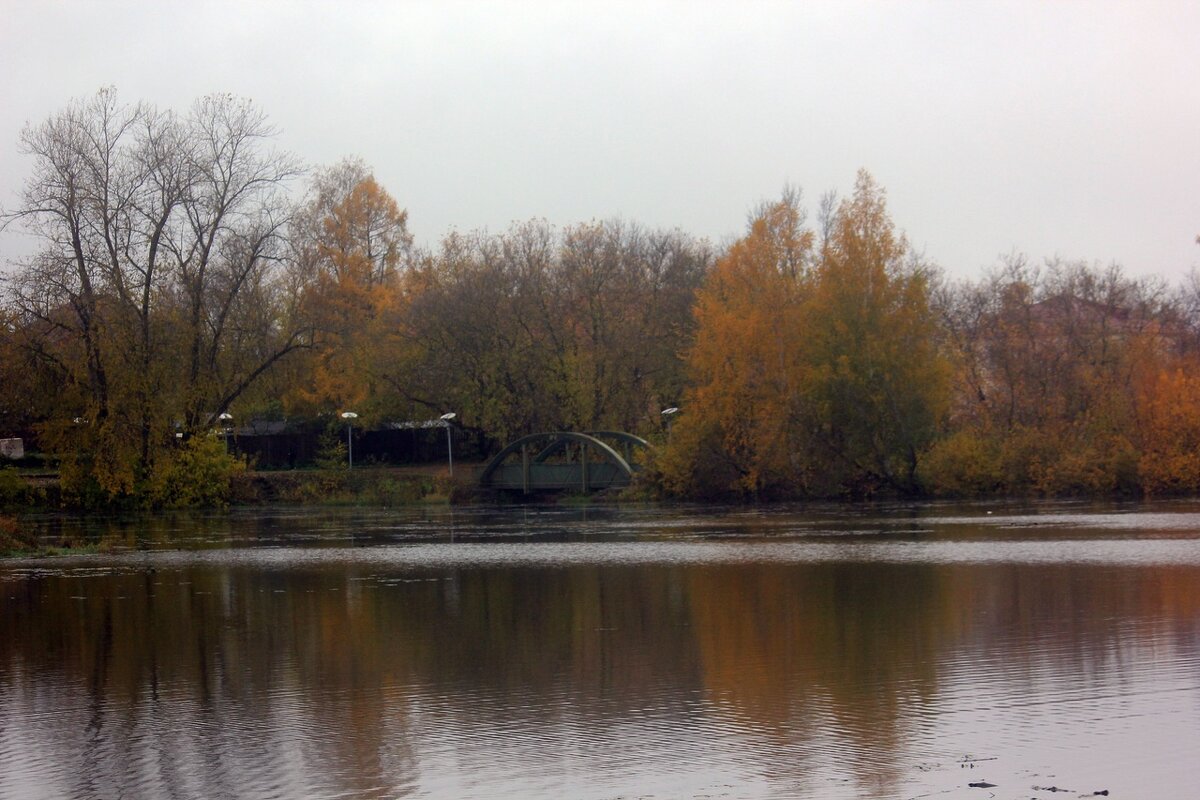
225	418
449	447
667	413
349	416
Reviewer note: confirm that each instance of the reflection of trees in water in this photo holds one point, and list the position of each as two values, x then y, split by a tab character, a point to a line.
237	680
832	658
1082	618
281	676
806	653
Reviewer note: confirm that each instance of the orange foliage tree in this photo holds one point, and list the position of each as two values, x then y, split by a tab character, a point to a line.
816	370
353	239
1169	459
1051	363
739	432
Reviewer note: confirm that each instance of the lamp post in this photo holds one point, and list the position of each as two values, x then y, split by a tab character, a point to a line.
349	416
667	413
449	446
226	418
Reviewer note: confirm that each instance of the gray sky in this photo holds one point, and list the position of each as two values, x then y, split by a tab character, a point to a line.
1050	128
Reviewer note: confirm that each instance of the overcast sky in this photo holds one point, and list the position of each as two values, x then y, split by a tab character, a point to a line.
1049	128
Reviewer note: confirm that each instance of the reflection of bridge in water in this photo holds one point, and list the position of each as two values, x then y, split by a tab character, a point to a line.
565	461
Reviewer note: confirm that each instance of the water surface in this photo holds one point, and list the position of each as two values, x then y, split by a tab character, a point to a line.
890	651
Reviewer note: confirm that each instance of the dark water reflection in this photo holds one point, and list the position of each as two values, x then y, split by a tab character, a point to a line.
892	652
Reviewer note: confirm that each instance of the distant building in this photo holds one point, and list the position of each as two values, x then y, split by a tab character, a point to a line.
12	448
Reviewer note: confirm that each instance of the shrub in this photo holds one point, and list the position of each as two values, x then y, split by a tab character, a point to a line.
331	452
390	492
964	463
1090	466
197	474
12	488
14	538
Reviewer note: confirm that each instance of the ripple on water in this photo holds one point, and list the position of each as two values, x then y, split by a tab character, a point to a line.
1116	552
450	670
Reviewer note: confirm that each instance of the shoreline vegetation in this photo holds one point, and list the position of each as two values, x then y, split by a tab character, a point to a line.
369	486
189	280
379	487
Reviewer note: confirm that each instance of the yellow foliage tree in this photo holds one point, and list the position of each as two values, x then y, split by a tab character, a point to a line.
878	384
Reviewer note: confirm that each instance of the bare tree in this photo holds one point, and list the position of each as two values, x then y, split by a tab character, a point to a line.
161	257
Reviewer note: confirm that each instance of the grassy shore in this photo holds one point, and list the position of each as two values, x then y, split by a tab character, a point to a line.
375	486
368	485
14	539
17	541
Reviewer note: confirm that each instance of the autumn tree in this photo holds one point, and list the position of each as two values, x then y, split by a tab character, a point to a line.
159	236
878	382
1169	454
351	238
19	380
240	289
741	430
1167	385
1050	366
538	329
816	369
625	305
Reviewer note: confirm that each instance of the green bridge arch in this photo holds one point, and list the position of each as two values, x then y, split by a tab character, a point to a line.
564	461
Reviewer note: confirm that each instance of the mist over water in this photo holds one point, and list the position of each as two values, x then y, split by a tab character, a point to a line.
602	653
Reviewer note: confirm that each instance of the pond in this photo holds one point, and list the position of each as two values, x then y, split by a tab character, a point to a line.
1046	651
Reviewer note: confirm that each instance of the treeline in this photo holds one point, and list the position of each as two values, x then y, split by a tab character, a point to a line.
178	278
830	361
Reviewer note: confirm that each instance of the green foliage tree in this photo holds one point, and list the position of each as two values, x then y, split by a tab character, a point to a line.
878	383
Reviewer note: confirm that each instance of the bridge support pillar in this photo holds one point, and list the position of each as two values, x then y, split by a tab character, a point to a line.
525	469
583	465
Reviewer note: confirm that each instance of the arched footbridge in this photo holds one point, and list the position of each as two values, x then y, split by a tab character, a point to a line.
565	461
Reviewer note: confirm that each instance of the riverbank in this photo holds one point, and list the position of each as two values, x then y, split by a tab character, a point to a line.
20	541
388	486
14	539
377	486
